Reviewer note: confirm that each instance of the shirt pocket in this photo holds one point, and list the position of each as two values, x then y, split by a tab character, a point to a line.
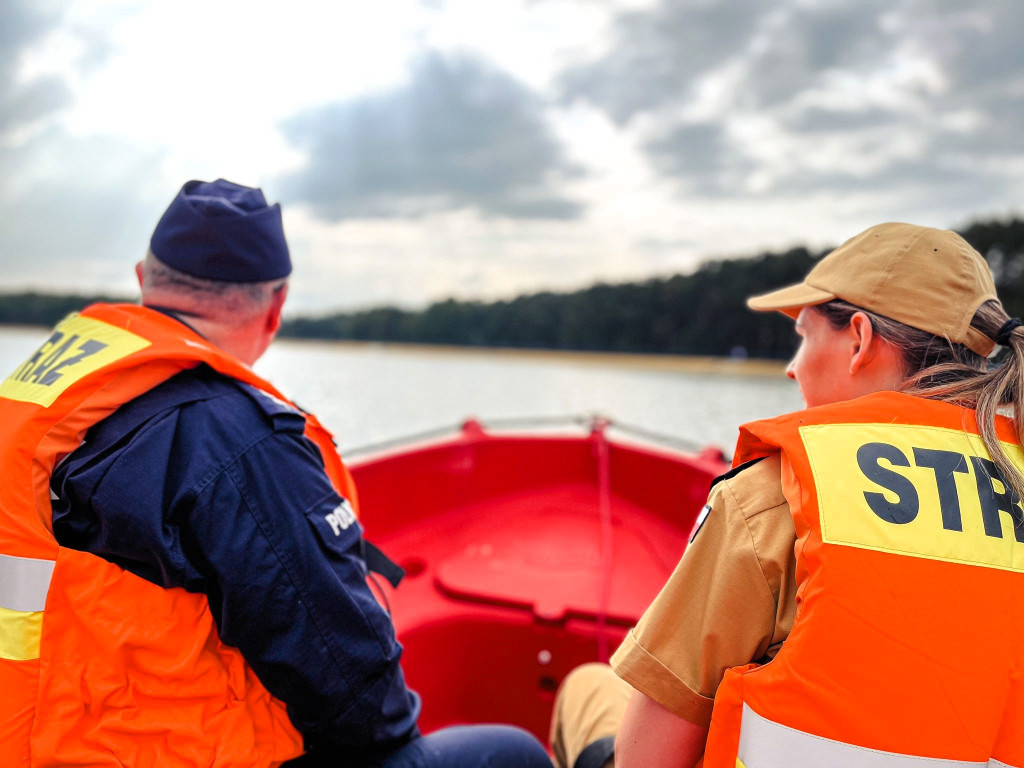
335	525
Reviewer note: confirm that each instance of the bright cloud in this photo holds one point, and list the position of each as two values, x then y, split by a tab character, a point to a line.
427	148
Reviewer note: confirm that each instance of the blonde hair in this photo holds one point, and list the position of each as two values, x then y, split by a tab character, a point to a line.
941	370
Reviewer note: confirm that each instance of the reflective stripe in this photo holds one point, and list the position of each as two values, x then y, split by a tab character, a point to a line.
767	744
24	582
24	585
19	634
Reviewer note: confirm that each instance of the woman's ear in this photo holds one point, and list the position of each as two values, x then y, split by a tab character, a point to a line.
863	340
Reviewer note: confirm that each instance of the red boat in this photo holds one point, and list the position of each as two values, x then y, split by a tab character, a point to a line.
526	555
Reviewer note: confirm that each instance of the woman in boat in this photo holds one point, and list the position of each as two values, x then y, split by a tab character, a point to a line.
870	548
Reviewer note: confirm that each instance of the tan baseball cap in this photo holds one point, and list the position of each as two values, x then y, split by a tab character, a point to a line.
930	279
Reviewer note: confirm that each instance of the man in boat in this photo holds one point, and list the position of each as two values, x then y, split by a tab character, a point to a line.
889	511
182	574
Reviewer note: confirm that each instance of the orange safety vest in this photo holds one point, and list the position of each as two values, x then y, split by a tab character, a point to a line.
908	645
98	666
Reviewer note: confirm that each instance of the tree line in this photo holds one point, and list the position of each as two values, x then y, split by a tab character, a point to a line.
33	308
701	313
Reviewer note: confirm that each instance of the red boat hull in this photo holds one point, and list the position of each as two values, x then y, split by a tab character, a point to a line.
525	557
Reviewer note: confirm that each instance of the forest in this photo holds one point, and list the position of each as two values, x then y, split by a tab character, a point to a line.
700	313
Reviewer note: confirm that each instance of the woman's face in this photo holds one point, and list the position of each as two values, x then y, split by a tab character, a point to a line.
821	365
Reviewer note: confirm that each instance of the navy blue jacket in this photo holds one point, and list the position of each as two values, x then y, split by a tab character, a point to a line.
208	484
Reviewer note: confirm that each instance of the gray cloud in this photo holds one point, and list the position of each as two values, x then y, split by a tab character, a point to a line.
656	56
904	177
806	44
977	44
700	155
830	120
81	228
868	72
78	210
978	52
694	148
460	135
21	23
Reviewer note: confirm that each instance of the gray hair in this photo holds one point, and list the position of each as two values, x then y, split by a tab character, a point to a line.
208	297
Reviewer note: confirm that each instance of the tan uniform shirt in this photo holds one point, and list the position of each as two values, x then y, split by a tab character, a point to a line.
731	599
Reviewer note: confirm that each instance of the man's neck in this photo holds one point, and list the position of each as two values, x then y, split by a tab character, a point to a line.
176	314
247	341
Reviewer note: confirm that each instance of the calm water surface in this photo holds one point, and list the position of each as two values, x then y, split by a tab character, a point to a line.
368	394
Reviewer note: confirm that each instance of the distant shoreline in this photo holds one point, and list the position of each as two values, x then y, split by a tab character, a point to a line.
23	327
634	360
695	364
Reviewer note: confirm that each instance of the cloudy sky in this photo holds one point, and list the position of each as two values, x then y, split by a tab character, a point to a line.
481	148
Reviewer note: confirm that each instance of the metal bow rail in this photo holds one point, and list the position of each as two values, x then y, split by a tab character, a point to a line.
591	423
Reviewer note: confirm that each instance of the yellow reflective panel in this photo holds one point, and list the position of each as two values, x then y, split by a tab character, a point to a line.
78	346
739	763
919	491
19	634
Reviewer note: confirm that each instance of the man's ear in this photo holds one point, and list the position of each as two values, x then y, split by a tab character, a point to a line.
862	340
276	306
139	273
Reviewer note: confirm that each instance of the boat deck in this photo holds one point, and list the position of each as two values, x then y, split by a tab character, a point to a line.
525	557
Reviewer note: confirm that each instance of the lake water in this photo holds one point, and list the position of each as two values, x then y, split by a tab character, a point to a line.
366	394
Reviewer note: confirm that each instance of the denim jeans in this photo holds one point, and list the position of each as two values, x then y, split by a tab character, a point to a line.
476	746
464	746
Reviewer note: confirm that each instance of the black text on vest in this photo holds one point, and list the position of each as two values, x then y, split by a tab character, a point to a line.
49	361
995	495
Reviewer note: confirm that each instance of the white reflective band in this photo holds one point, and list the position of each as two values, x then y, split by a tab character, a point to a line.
24	582
767	744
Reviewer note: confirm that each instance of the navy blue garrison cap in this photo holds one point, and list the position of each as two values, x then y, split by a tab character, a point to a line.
219	230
